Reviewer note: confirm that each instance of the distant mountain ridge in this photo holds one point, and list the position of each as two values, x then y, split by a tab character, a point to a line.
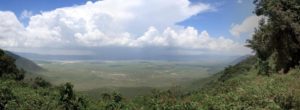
24	63
208	58
240	59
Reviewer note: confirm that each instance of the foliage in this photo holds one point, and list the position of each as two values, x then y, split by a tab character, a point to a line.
116	103
287	102
249	91
238	87
40	82
277	40
8	69
6	96
242	67
68	99
23	97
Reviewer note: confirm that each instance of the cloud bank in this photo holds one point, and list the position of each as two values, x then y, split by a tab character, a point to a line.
247	26
117	23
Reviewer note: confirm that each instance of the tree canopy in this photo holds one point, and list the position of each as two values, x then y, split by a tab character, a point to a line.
276	42
8	68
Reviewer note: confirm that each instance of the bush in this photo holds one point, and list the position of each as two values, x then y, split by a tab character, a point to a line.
40	82
6	96
68	99
116	103
289	102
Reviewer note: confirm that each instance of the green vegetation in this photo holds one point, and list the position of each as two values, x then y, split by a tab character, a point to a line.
237	87
277	42
247	90
123	75
8	69
26	64
68	99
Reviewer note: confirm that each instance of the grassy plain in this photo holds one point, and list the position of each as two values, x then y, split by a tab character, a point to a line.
126	75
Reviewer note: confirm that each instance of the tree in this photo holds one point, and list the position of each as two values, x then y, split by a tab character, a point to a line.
277	40
69	100
8	68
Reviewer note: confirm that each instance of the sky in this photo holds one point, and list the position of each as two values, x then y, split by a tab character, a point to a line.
158	27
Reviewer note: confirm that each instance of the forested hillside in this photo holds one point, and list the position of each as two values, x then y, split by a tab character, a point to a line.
23	64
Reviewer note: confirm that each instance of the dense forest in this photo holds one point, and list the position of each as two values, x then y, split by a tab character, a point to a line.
268	80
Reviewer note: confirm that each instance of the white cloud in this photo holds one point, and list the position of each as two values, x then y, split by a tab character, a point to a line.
188	38
11	30
132	24
247	26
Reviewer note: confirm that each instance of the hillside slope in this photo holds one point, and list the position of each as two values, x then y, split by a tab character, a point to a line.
24	63
239	87
245	64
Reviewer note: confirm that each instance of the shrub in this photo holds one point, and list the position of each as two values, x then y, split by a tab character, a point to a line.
6	95
69	100
40	82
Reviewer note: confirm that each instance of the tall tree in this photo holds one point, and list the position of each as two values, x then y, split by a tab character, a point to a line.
277	40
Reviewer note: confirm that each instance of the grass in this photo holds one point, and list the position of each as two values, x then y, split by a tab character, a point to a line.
250	91
126	74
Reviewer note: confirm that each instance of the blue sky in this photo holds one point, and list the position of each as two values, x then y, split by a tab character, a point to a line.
219	25
36	6
218	22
